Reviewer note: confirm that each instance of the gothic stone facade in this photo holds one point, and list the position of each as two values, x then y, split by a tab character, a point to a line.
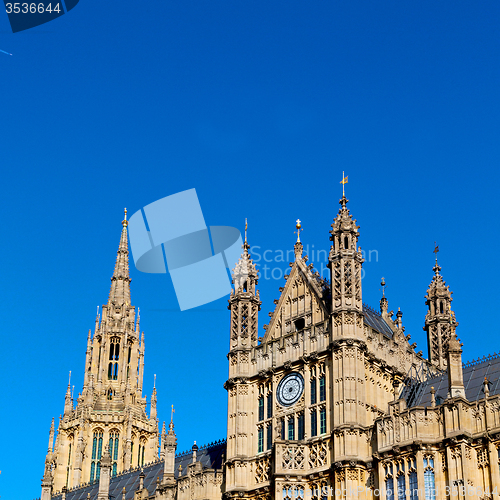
333	400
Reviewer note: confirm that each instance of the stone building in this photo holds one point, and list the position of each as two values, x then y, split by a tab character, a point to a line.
331	401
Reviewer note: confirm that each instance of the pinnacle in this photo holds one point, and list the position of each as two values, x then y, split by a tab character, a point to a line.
120	281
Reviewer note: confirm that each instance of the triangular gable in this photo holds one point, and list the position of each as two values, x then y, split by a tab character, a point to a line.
302	297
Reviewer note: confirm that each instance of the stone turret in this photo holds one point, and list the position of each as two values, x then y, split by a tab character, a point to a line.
439	320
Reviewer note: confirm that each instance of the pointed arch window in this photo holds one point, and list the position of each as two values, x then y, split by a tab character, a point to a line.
401	482
114	356
141	451
389	482
429	481
113	448
95	466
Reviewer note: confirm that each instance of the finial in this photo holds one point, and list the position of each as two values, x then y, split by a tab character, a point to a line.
382	283
436	268
299	229
69	381
486	387
125	221
343	182
154	381
172	416
246	227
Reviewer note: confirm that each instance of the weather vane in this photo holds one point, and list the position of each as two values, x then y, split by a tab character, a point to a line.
343	182
299	229
246	227
436	250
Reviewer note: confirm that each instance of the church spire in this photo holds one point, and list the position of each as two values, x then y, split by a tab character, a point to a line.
120	281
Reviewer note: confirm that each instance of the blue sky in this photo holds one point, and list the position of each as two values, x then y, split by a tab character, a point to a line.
260	106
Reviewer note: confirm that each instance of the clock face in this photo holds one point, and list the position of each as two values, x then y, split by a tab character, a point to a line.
290	389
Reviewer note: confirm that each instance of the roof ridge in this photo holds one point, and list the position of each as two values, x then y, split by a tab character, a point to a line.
474	362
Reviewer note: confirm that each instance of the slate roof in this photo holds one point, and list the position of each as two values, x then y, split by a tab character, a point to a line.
375	320
474	373
210	456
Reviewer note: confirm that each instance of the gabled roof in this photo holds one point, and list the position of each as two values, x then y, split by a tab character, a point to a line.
375	320
474	374
210	457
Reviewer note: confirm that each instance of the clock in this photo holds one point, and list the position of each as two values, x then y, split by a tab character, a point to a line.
290	389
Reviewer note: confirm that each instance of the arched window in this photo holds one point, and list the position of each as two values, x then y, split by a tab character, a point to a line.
110	394
113	448
346	242
95	466
128	360
441	307
140	454
389	482
114	355
429	482
68	466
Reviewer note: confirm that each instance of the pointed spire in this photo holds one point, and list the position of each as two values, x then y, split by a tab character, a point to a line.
51	436
138	322
245	273
384	303
153	401
120	281
68	400
97	321
171	425
298	247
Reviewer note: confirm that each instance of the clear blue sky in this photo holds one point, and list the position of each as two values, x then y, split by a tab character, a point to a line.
260	106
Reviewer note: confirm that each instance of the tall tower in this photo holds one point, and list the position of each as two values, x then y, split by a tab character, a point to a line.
347	320
439	320
345	263
244	304
110	409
